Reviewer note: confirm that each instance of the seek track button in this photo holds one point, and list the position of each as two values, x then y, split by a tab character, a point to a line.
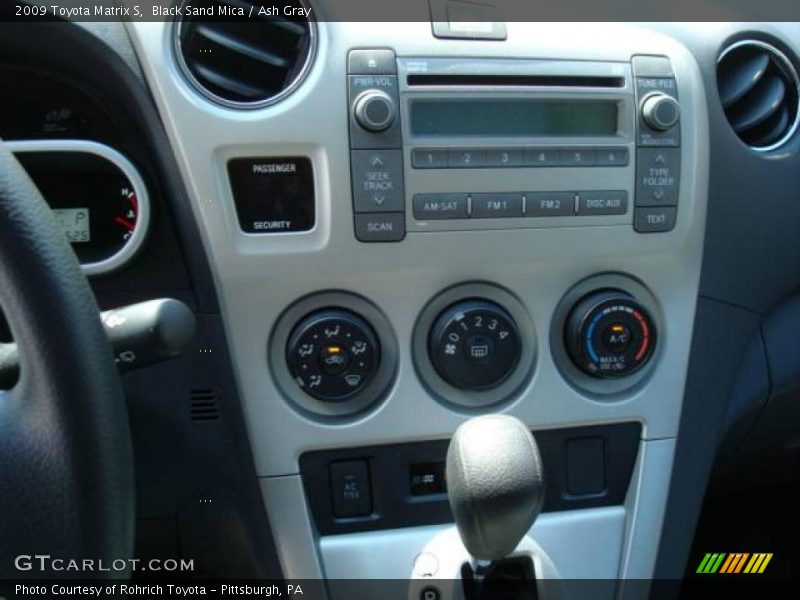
377	180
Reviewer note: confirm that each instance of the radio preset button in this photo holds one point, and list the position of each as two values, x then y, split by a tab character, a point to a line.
488	206
655	219
577	157
425	158
611	157
549	204
429	207
509	157
541	157
602	203
466	159
658	172
380	227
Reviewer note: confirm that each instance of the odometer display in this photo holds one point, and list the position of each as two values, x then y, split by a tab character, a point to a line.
74	222
95	201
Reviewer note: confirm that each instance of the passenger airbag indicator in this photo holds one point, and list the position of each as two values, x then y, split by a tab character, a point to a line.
273	195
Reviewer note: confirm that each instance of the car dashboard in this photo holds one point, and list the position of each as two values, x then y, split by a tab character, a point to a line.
400	227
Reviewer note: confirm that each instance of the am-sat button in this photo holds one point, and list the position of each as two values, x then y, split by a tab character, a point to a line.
440	206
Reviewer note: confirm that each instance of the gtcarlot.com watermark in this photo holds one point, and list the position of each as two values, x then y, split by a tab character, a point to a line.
46	563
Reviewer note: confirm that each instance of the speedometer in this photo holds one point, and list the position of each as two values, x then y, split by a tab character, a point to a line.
98	198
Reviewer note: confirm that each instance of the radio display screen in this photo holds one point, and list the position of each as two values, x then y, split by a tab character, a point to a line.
513	117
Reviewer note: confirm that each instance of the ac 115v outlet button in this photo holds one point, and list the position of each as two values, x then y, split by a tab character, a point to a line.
350	489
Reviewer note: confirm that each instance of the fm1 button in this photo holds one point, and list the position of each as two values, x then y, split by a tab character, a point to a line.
350	487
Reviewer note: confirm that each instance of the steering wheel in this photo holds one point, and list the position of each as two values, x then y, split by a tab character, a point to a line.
66	467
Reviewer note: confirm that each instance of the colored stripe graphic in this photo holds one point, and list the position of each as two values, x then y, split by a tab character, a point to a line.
736	562
702	567
711	563
726	565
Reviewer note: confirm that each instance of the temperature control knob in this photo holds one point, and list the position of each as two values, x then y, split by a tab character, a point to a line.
333	354
660	112
609	334
474	345
375	110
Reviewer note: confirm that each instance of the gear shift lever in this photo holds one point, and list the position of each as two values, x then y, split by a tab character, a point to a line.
495	484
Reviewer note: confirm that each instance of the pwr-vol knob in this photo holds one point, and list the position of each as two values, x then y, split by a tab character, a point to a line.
474	345
609	334
375	110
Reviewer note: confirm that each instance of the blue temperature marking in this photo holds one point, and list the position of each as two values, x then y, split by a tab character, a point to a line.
589	333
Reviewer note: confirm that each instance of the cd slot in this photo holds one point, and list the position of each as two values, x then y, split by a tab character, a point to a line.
514	80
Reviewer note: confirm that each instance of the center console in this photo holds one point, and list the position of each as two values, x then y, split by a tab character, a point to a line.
478	144
424	231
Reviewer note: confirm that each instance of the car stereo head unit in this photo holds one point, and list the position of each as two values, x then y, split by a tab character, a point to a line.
440	144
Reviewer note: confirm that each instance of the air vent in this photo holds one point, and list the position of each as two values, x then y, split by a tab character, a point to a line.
203	405
758	87
240	53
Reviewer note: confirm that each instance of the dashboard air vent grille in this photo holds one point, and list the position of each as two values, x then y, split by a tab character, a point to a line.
240	54
203	405
758	87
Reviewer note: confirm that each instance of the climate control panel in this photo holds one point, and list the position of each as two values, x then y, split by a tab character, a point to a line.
609	334
474	345
333	355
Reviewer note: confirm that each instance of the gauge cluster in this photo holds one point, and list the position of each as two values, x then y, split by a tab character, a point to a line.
99	199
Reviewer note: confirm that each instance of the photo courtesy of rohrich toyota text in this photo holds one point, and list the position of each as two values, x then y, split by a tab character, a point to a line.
380	300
